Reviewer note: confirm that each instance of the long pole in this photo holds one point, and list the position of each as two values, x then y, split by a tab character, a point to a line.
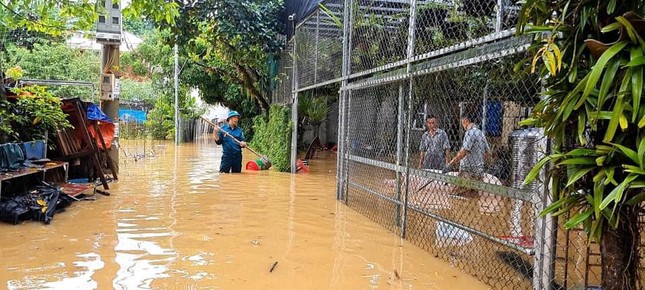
410	54
400	134
233	137
176	49
342	108
294	104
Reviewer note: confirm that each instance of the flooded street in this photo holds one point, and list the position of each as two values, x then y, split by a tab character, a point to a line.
173	222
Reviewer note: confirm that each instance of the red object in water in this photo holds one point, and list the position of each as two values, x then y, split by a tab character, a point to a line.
301	167
251	165
522	241
73	189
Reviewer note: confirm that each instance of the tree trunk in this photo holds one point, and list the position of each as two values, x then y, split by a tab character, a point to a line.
248	84
317	131
619	251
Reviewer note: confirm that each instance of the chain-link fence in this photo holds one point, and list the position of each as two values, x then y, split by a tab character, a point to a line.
282	93
318	46
425	83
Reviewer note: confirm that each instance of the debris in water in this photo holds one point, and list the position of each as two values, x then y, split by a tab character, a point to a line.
273	267
449	235
103	192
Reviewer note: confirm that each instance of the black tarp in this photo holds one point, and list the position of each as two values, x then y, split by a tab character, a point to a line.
300	9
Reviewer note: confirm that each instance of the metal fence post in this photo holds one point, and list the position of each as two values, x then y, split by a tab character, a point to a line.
294	105
340	164
346	151
399	153
545	235
340	161
341	118
408	70
347	43
316	50
499	16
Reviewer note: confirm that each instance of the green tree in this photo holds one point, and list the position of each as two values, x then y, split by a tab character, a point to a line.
57	62
153	59
58	17
24	38
153	62
314	112
233	40
138	26
160	122
134	91
215	90
592	108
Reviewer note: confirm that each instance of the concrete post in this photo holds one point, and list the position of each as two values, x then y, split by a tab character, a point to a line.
110	106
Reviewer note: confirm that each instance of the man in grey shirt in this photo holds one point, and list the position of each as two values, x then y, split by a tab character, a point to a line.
434	146
471	156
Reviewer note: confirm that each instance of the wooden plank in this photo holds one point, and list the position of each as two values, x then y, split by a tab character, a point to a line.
71	146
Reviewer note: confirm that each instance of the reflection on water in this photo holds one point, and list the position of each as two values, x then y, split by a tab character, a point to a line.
173	222
140	257
88	264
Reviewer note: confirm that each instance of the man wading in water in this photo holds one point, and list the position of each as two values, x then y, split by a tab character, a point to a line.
434	146
232	156
472	157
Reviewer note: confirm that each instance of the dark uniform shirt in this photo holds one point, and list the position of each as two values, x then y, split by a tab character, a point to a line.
230	147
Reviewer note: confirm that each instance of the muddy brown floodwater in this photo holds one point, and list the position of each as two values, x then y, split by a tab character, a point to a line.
173	222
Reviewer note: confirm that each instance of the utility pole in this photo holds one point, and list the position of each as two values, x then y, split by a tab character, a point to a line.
108	34
177	129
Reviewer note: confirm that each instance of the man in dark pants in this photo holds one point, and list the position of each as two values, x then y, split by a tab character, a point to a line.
471	157
232	156
434	146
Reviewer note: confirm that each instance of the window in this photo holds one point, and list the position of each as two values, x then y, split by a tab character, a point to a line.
115	20
101	19
115	4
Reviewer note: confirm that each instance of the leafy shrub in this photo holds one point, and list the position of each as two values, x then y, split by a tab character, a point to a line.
273	137
34	113
161	120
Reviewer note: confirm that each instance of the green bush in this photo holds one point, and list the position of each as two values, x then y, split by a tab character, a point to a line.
160	123
56	62
273	137
33	114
